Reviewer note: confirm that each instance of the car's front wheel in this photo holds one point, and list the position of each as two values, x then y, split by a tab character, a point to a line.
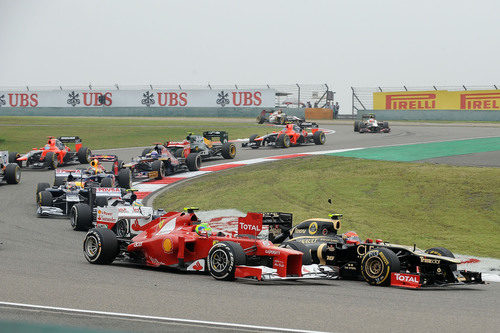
223	258
100	246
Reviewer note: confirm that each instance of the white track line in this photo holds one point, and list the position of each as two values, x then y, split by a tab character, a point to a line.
142	317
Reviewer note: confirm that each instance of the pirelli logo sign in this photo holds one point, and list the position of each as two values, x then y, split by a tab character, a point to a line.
437	100
410	102
480	101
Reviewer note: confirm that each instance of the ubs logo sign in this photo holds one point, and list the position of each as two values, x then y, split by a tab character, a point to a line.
74	98
222	99
2	100
148	99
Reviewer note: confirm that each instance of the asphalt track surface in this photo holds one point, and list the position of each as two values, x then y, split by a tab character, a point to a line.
42	263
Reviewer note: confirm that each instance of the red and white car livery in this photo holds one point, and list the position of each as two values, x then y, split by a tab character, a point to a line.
174	240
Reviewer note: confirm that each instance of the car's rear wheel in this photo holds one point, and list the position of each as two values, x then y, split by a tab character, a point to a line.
319	138
223	258
356	126
58	181
228	150
12	173
107	182
193	162
13	156
40	187
377	266
50	160
252	139
100	246
80	217
101	201
159	168
125	178
121	228
297	246
83	155
146	151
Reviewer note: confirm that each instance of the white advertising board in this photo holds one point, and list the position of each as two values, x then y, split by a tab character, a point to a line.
139	98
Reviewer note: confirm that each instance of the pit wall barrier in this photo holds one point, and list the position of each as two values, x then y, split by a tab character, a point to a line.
445	115
144	112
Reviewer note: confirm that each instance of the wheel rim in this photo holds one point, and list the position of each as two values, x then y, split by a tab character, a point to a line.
18	174
73	217
219	260
374	267
91	246
233	150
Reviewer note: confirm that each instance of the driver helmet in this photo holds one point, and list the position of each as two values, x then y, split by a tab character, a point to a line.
137	203
95	166
154	154
71	185
351	237
203	229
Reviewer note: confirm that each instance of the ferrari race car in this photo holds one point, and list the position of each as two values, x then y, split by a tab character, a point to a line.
209	149
292	134
277	117
376	262
163	160
368	124
54	153
97	174
113	209
9	172
178	239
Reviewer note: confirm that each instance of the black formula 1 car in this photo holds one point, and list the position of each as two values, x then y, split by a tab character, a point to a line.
277	117
163	160
209	149
374	261
97	174
54	154
9	172
291	135
368	124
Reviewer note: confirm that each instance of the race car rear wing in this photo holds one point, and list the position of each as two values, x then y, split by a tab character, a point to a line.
222	135
105	158
308	125
69	139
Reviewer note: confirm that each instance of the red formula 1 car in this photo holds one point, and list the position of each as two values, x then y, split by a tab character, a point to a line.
292	134
55	153
178	239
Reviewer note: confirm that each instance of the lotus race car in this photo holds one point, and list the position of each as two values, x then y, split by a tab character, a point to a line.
9	172
368	124
376	262
209	149
179	239
292	134
54	153
163	160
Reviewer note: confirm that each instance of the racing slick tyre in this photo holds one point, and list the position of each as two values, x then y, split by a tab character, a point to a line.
107	182
228	150
12	173
121	228
125	178
283	141
356	126
58	181
83	155
223	258
40	187
13	156
80	216
319	138
146	151
252	139
101	201
442	251
50	160
377	266
100	246
193	162
282	120
45	199
159	168
297	246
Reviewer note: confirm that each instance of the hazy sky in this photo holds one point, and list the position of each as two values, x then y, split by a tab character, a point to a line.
342	43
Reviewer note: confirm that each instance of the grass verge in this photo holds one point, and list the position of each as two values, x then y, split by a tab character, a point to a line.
23	133
406	203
